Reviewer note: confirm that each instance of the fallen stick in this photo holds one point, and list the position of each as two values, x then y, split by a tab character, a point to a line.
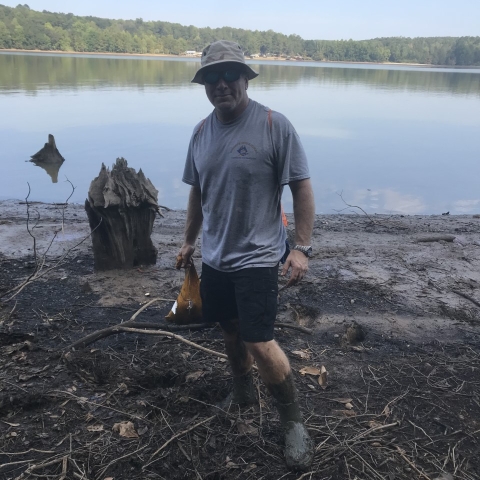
38	466
402	454
375	429
294	327
183	432
99	334
172	335
115	460
468	297
106	332
305	475
436	238
64	468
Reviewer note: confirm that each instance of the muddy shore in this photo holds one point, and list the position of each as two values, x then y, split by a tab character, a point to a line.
411	282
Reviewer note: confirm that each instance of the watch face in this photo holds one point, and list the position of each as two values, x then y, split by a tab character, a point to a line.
309	252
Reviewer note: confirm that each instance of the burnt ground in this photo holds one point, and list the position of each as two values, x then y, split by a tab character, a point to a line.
412	384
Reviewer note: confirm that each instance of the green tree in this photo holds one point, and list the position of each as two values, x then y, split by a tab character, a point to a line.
17	34
79	34
5	37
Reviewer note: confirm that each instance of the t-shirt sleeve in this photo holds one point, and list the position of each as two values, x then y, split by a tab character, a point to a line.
190	173
290	155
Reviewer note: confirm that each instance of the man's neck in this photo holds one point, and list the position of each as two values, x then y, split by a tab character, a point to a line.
230	116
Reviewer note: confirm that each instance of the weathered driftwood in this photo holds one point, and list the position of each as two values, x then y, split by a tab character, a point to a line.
436	238
49	153
126	202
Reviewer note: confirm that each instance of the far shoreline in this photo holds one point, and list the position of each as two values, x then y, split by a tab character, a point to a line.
261	59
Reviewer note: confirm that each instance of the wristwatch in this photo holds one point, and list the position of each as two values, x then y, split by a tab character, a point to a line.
306	250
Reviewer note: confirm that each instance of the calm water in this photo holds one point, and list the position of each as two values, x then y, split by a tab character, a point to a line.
392	139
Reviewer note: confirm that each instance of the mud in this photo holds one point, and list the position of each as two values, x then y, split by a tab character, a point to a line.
413	382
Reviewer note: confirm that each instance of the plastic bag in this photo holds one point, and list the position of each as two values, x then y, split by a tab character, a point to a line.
188	307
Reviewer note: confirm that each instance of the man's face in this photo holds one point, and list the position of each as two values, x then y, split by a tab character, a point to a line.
228	97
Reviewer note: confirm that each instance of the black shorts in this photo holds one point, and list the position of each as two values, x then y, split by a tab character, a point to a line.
249	295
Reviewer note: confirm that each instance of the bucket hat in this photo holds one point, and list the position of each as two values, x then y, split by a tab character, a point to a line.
222	51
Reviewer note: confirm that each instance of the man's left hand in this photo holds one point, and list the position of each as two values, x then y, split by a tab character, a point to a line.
298	263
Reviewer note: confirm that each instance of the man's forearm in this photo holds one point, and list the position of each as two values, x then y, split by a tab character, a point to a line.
303	211
194	216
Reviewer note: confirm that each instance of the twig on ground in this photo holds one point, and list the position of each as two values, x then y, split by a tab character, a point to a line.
402	454
19	462
183	432
99	334
359	208
63	476
115	460
294	327
98	405
375	429
422	430
175	336
66	203
38	466
28	225
305	475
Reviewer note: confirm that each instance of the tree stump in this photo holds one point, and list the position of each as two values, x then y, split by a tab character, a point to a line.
49	153
121	209
49	158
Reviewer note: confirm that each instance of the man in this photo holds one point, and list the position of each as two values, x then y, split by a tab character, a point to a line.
238	161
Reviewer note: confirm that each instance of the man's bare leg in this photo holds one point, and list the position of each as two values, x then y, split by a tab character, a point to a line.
241	362
239	357
274	368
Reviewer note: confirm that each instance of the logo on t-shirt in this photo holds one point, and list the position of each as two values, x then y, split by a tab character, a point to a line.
244	150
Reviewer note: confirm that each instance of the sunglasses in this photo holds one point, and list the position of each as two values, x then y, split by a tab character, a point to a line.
230	75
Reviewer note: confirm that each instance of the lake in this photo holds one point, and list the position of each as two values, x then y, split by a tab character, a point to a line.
390	139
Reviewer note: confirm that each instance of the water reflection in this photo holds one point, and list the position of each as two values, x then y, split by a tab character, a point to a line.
34	72
51	168
392	139
389	201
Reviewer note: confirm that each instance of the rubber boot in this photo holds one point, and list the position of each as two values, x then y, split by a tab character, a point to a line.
299	448
243	392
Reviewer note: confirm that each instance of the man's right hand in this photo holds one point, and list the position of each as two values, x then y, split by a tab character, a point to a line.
184	257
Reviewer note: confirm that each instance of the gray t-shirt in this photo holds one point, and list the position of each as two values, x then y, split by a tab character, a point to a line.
241	168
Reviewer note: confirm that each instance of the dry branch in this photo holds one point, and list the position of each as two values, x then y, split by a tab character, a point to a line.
436	238
164	333
183	432
375	429
294	327
136	327
402	454
99	334
116	460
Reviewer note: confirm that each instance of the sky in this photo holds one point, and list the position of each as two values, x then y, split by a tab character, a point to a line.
311	19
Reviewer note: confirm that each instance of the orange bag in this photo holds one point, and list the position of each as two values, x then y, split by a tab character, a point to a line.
188	307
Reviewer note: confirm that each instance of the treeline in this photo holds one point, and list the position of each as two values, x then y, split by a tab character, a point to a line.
23	28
